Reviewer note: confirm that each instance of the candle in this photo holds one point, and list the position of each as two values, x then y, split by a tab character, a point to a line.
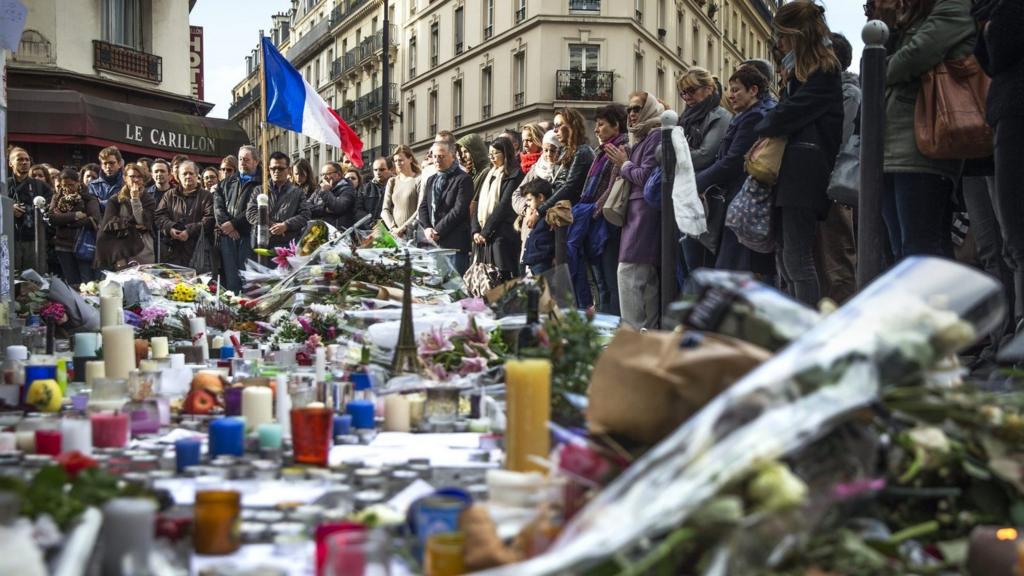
217	516
119	351
342	425
158	347
149	366
283	406
109	389
528	384
270	436
128	525
197	328
417	404
111	311
396	413
76	435
257	406
186	453
311	435
94	370
85	344
145	421
320	364
48	442
8	442
233	401
109	430
362	413
227	437
26	441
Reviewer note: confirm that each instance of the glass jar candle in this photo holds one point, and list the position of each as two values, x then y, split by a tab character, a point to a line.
217	518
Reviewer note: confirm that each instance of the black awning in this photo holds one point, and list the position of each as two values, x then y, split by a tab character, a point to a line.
67	116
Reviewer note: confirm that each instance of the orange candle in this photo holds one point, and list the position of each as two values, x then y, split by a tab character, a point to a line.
528	403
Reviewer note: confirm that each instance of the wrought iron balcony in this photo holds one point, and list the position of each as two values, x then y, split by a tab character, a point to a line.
589	85
520	15
348	110
488	32
243	102
370	104
519	100
351	60
127	61
486	112
372	45
317	36
336	69
585	5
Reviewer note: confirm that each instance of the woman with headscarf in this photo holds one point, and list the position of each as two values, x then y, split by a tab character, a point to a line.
640	247
493	223
125	235
183	215
544	169
473	159
72	211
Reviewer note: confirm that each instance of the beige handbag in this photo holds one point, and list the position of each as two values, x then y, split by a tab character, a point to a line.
614	209
765	159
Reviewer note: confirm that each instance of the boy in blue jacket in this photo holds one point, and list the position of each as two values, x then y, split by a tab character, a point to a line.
539	252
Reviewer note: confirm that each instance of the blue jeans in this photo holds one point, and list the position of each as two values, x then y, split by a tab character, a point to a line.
918	213
233	255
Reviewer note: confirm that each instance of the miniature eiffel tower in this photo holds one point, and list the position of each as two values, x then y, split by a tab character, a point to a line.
406	358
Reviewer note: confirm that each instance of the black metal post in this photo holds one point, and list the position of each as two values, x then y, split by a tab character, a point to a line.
385	93
870	228
669	234
39	226
263	226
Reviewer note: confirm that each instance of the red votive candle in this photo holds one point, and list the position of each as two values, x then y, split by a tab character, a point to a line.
48	442
109	430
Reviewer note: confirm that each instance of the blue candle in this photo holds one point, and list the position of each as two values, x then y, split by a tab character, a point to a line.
227	437
362	413
270	435
186	453
342	425
227	352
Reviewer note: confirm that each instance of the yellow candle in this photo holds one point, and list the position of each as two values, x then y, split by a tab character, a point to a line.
528	400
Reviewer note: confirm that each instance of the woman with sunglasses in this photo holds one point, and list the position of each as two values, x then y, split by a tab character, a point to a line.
126	233
810	117
704	120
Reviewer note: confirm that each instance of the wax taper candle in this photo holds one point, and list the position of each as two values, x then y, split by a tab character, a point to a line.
528	385
119	351
257	406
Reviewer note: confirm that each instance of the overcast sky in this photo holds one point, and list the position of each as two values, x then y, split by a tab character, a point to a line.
231	30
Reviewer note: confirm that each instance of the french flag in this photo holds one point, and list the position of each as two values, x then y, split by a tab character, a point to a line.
294	105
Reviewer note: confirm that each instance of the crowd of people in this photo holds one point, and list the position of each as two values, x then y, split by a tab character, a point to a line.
536	197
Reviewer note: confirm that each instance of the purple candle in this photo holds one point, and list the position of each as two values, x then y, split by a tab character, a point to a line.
145	422
233	401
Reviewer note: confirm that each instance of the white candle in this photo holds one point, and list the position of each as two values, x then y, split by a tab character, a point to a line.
197	328
85	344
257	406
76	434
396	413
26	441
158	347
94	369
8	441
218	342
119	351
320	364
128	525
111	311
284	406
149	366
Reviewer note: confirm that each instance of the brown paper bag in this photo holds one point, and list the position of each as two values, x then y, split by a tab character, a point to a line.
646	384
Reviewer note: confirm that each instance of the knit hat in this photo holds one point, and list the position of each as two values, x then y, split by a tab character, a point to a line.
550	138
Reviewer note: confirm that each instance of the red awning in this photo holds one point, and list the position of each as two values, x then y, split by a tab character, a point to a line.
16	138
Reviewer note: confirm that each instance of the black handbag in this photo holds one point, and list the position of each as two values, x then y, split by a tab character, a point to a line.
716	204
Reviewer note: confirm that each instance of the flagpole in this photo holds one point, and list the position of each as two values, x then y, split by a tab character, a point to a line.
264	146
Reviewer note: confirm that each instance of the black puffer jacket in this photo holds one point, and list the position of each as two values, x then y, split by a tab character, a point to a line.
568	184
287	205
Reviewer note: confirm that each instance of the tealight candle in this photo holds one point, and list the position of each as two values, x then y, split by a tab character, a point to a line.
186	453
270	436
396	413
362	412
128	526
109	430
119	351
257	406
158	347
76	435
227	437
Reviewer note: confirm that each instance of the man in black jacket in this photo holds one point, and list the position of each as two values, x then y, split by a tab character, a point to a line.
444	209
371	197
23	189
336	202
289	212
230	200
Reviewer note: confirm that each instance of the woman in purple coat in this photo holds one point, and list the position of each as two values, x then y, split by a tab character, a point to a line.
640	247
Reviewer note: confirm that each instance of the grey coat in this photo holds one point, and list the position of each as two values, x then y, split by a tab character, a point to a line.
714	127
947	33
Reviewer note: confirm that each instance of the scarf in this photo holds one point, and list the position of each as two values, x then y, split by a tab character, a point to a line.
650	118
244	178
68	201
111	180
598	171
489	194
695	116
527	160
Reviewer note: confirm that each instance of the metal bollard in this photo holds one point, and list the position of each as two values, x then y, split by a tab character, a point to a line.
871	229
669	233
39	226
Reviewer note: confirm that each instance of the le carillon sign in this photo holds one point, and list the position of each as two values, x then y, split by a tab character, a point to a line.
169	139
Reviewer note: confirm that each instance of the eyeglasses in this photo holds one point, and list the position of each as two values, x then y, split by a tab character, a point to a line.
690	91
634	109
135	176
278	168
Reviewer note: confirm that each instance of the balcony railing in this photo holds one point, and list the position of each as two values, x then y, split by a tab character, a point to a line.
486	112
519	100
318	35
520	15
127	61
458	120
374	153
589	85
369	104
336	69
351	61
372	45
458	47
243	102
585	5
348	110
488	32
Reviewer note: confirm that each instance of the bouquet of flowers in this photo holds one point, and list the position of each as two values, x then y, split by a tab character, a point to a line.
54	312
449	352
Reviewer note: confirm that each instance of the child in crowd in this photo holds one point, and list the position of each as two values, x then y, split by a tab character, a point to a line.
539	252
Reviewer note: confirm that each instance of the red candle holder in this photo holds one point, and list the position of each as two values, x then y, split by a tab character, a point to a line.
48	442
311	435
109	430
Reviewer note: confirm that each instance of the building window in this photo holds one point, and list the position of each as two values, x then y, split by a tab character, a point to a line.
412	57
584	57
638	10
433	111
519	80
520	11
410	113
435	43
122	22
661	81
638	71
695	44
316	72
662	15
680	33
460	29
585	5
486	86
711	55
488	19
457	104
